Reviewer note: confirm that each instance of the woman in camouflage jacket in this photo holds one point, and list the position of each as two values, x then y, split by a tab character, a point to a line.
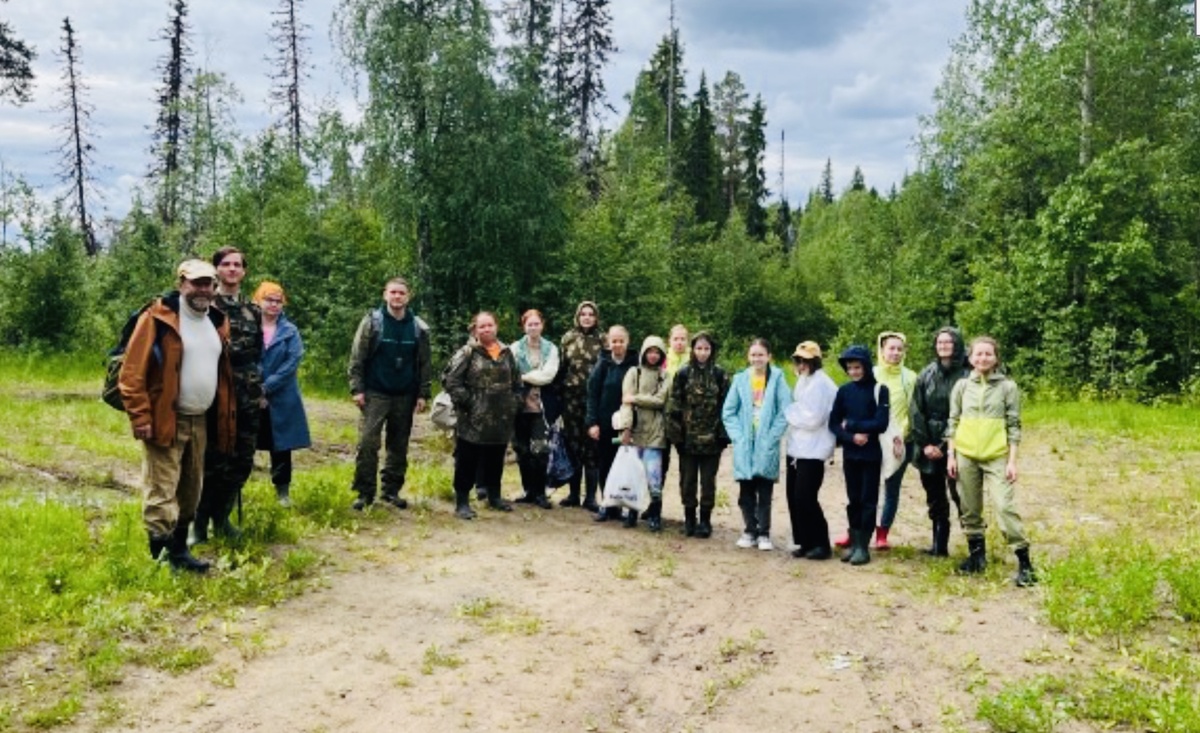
581	347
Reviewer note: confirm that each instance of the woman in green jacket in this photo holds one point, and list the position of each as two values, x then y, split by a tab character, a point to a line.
982	439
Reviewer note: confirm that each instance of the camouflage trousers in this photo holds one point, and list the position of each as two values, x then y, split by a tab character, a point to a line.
574	417
226	473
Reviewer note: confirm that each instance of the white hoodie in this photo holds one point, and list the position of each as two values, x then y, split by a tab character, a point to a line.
808	417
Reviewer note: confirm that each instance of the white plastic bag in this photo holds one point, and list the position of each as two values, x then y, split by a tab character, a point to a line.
887	444
626	485
442	414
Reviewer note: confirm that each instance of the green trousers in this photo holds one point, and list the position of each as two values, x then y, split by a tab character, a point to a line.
976	476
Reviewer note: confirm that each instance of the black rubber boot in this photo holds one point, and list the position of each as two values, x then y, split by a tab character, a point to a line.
572	498
222	527
462	505
496	502
654	516
179	555
941	539
976	561
591	480
283	495
1025	575
631	518
859	541
704	528
689	521
157	545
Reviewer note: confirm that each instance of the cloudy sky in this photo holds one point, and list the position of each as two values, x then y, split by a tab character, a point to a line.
845	79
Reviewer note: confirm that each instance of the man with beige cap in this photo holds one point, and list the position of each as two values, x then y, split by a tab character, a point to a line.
176	372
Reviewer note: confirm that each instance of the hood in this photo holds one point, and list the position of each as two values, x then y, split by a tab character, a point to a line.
581	306
652	342
711	340
959	359
858	352
879	346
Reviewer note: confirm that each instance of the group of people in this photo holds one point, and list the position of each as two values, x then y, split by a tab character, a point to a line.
204	362
201	360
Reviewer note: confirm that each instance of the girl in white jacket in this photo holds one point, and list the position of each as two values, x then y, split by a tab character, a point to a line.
810	444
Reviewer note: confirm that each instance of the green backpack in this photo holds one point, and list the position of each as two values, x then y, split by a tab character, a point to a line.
111	393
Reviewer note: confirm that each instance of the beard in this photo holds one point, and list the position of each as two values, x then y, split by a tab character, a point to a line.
198	303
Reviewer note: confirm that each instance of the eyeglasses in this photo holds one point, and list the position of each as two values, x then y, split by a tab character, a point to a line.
273	301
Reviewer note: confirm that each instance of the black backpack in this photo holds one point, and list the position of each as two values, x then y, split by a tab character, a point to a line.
111	393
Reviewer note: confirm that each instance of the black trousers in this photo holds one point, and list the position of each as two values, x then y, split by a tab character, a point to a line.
754	499
803	486
862	492
696	469
530	425
475	462
938	489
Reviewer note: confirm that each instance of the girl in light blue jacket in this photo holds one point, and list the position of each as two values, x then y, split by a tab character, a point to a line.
755	420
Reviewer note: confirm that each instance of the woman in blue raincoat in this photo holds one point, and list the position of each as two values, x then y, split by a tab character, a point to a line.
284	426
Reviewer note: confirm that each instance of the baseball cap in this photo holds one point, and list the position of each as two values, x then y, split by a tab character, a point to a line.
807	350
197	270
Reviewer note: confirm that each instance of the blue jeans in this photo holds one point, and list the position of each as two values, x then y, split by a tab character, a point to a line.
891	489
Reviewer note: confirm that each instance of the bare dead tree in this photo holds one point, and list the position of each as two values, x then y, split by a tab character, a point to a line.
289	37
171	128
75	153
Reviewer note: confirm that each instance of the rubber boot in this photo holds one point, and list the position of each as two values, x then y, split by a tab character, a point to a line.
179	555
704	528
631	518
157	545
222	527
462	504
496	502
976	561
591	481
283	495
941	538
881	538
689	521
844	540
1025	575
859	554
654	515
572	498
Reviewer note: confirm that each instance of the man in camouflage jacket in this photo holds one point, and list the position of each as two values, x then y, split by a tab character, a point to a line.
226	473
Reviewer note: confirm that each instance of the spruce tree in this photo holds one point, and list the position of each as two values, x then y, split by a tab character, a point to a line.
289	36
586	44
170	129
16	74
825	190
857	182
754	181
702	164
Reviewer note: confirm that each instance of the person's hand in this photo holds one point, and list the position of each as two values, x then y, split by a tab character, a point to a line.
897	447
594	432
933	453
627	399
861	438
1010	471
952	467
360	399
420	404
262	403
627	437
143	432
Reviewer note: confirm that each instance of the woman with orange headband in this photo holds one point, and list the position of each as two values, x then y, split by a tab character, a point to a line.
284	426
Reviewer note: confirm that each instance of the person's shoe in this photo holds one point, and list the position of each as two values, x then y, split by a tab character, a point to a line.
689	522
765	544
859	554
569	501
394	500
746	541
157	546
818	553
976	561
180	557
591	506
481	493
631	518
499	505
283	496
843	541
704	528
881	539
1025	576
654	516
799	551
362	503
464	511
941	542
524	499
541	502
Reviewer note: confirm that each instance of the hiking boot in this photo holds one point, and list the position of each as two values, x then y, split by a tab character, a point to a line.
818	553
704	528
746	541
654	516
881	538
394	500
976	561
689	522
1025	576
362	503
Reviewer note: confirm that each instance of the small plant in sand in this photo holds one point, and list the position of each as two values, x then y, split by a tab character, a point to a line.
434	658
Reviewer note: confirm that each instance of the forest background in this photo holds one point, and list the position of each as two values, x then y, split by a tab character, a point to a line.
1053	205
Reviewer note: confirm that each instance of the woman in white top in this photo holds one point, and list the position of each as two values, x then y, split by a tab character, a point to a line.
810	444
537	359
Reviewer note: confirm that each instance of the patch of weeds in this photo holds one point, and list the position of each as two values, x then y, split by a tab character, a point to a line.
225	676
179	659
1031	706
1182	573
493	617
476	608
722	499
743	660
666	566
402	681
58	713
626	566
527	571
300	562
434	658
102	664
380	656
109	712
430	481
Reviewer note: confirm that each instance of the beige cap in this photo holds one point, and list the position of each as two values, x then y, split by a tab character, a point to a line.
196	270
807	350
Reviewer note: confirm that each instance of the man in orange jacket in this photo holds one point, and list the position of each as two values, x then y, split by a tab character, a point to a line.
175	376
